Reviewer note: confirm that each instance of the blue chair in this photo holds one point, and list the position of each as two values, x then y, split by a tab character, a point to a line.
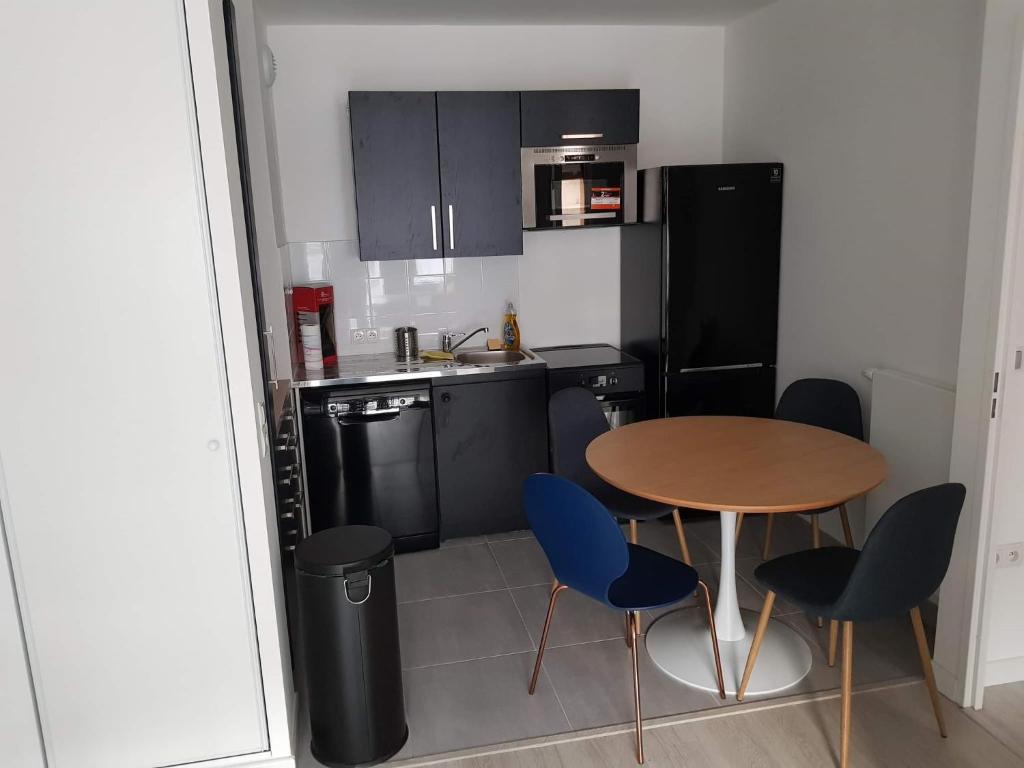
588	553
904	560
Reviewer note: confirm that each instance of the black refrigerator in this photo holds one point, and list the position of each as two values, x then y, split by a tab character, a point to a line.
700	287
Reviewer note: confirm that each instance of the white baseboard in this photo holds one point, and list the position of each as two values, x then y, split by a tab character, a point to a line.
1004	671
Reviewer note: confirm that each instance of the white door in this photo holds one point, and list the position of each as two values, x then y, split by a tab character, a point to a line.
122	492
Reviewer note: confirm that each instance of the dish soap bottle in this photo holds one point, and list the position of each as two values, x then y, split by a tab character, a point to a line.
510	329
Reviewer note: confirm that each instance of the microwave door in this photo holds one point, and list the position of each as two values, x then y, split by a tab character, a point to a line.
578	194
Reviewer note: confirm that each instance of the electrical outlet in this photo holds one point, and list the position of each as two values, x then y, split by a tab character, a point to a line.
358	336
1010	555
372	334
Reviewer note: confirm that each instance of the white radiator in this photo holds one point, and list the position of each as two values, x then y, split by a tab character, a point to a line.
912	426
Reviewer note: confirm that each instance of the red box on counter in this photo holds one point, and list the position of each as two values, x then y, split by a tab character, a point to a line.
313	305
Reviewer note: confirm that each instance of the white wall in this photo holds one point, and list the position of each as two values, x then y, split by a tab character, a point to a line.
568	282
872	107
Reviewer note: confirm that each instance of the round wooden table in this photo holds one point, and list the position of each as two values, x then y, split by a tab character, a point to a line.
731	464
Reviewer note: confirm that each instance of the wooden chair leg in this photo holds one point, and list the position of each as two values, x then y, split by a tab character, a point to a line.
926	667
768	526
833	641
847	532
755	646
634	635
714	638
847	686
739	524
681	535
556	590
632	532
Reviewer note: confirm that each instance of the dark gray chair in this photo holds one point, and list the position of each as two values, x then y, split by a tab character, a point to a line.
575	419
825	403
903	562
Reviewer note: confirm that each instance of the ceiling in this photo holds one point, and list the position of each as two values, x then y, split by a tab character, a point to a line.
527	12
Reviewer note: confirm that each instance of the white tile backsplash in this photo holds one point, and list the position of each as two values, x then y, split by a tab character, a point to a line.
430	294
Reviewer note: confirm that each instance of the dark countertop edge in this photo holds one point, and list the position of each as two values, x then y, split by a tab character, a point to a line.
438	370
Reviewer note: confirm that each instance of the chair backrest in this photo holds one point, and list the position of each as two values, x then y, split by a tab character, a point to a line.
575	418
905	556
823	403
581	539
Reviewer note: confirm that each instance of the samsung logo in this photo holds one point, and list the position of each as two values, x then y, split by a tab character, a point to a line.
726	189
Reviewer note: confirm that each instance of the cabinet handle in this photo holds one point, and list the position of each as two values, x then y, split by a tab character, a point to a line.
451	227
433	225
582	135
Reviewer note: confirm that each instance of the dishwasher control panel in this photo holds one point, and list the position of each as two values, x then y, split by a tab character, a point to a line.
370	404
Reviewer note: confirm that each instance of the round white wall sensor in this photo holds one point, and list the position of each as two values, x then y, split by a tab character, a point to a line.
268	66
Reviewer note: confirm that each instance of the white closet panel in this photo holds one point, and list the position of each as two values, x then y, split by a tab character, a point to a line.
115	438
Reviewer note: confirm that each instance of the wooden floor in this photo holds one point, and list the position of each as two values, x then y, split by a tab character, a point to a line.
1003	715
892	726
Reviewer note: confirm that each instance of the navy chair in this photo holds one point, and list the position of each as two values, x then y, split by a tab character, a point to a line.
822	403
903	562
575	418
588	553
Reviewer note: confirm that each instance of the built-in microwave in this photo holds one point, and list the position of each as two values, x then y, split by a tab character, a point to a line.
581	186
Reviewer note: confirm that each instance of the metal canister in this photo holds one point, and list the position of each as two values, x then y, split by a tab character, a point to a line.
407	344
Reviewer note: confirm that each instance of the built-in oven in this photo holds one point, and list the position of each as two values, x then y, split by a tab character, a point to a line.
579	186
615	378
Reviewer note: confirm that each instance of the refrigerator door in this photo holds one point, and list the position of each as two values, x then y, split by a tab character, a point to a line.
730	392
724	224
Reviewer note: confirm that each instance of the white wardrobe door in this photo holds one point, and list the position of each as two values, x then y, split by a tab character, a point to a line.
123	513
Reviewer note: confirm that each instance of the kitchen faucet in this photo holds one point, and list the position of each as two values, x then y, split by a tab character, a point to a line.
448	338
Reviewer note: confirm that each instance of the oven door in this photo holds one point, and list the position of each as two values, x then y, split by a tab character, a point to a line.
620	411
579	187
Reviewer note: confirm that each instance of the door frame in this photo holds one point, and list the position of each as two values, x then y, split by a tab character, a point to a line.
995	250
224	212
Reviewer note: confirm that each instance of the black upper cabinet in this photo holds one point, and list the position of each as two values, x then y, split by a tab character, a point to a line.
481	191
398	196
561	118
436	174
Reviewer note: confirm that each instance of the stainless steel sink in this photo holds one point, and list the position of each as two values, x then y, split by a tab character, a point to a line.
489	357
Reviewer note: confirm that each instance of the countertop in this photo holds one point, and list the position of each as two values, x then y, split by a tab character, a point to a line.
382	368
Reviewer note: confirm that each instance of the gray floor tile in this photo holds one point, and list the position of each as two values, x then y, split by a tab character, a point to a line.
461	628
510	535
522	562
594	682
748	597
477	703
465	541
578	618
445	572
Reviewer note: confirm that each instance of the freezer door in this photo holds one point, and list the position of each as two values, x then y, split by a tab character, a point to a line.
737	392
724	225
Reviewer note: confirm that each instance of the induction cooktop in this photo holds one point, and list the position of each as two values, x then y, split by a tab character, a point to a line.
584	356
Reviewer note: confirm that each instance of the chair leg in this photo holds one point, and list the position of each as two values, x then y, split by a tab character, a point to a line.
681	535
714	638
847	685
629	631
755	646
769	525
833	641
816	540
556	590
739	524
632	532
926	667
847	532
634	619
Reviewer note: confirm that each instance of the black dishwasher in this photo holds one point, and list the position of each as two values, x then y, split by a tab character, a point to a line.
369	458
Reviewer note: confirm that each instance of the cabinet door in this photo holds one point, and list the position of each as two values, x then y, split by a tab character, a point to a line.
562	118
394	157
481	188
490	437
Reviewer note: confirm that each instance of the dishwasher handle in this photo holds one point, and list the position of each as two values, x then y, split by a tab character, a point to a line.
376	417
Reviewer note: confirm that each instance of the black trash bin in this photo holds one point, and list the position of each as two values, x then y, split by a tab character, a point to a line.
348	626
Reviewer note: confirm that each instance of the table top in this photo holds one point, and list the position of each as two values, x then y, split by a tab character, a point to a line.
736	464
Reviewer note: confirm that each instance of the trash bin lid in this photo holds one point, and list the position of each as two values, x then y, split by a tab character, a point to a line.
343	550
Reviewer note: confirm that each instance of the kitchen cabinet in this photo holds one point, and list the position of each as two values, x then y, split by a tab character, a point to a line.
490	435
394	156
481	189
563	118
436	174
